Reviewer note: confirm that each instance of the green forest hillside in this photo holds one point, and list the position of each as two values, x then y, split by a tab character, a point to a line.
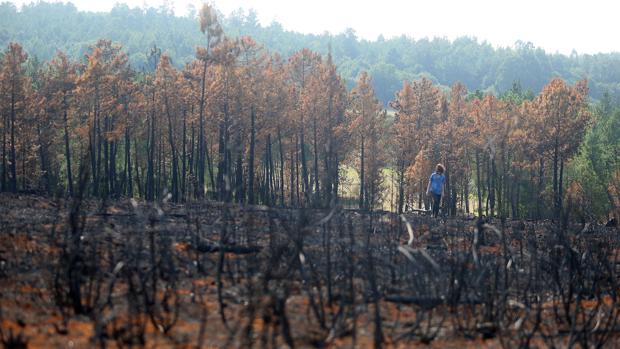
45	27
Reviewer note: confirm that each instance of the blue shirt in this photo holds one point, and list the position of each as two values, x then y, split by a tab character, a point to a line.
437	180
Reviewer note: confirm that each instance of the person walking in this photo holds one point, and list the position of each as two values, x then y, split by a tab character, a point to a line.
435	187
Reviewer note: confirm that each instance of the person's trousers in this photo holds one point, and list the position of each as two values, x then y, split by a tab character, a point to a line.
435	205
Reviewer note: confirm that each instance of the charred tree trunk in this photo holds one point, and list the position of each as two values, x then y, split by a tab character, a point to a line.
539	197
221	168
304	168
68	152
559	203
239	187
141	189
5	126
201	136
281	168
173	149
556	201
499	185
491	181
336	180
150	171
106	163
210	168
161	171
401	185
422	199
251	160
190	161
265	178
292	173
327	179
317	190
128	177
23	149
272	182
361	198
93	154
184	157
113	177
13	158
99	146
297	181
478	183
466	192
515	194
453	201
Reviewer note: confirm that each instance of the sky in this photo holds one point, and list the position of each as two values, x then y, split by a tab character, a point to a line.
554	25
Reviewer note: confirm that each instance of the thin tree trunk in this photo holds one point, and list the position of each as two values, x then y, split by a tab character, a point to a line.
221	163
272	176
161	175
297	181
466	192
93	152
128	175
68	153
265	180
13	158
304	165
251	160
361	198
150	171
317	191
336	180
401	185
556	201
184	157
24	166
201	135
5	126
499	185
539	197
292	173
113	179
560	190
281	168
239	187
191	158
106	162
491	181
99	141
210	168
175	165
422	199
141	189
93	156
478	183
514	193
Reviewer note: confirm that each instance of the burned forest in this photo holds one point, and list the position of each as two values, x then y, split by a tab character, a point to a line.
249	199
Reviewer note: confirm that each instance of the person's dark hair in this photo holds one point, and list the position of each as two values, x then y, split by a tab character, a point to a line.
439	169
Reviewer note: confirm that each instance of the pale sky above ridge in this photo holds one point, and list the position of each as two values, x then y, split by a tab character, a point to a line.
554	25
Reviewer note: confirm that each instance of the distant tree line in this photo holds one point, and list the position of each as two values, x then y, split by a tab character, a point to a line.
42	28
239	123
